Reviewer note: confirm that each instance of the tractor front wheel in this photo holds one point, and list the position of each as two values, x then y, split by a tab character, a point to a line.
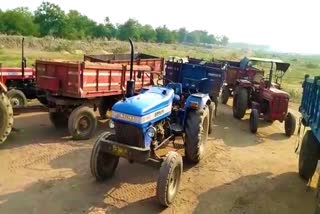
6	117
290	124
240	103
82	123
225	94
103	165
17	98
309	155
169	178
254	120
197	126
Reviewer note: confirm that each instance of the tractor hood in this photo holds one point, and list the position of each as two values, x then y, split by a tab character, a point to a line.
154	103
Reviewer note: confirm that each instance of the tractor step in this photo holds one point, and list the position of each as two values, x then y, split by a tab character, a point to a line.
176	129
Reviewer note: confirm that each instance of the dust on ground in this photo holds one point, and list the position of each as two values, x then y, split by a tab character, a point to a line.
44	171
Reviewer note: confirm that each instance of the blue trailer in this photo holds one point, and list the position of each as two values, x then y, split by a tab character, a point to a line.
144	123
310	111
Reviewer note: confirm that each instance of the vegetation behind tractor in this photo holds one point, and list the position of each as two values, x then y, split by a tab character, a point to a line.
158	116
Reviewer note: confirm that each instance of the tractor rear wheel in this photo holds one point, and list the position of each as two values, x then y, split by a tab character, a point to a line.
197	126
58	119
169	178
309	155
103	165
254	120
240	103
225	94
17	98
82	123
6	117
290	124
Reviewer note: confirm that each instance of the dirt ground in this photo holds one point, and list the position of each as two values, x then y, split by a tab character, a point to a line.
43	171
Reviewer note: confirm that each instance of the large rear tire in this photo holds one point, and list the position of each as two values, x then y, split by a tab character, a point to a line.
240	103
103	165
17	98
6	117
169	178
290	124
197	126
82	123
212	110
309	156
225	94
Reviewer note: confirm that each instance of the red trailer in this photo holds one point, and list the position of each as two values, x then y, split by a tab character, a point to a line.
73	87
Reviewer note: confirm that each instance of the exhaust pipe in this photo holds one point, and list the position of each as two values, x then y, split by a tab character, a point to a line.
130	83
23	59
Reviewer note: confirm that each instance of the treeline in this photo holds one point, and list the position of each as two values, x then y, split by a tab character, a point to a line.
50	20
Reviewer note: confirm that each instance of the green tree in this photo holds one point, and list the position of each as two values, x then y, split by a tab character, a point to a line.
148	34
193	37
51	20
78	26
224	40
130	29
164	35
182	35
18	21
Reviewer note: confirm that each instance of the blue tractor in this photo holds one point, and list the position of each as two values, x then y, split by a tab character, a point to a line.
146	122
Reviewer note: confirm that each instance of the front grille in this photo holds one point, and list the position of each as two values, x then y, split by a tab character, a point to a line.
129	134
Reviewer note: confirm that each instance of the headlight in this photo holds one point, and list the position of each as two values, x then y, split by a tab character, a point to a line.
111	124
151	132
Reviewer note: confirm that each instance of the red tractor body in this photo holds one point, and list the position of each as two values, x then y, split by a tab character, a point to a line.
264	97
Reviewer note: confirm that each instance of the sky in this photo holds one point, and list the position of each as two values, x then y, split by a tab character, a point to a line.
287	26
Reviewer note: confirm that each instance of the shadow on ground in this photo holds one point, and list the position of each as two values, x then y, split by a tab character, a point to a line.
260	193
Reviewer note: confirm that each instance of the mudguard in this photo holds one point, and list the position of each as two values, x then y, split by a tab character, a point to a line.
197	101
244	83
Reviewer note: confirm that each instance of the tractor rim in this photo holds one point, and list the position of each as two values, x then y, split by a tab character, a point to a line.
15	101
174	181
84	124
203	135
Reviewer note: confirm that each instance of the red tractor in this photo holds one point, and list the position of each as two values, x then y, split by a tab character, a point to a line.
20	83
236	70
263	96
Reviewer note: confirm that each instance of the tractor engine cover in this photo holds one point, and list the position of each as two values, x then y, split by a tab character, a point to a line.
132	116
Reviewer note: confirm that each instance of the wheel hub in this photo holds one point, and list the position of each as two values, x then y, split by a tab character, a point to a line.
83	124
15	102
173	182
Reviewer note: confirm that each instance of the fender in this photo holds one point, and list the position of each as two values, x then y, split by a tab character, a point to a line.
197	101
244	83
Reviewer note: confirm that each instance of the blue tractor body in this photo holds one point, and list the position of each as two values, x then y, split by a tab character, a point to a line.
146	122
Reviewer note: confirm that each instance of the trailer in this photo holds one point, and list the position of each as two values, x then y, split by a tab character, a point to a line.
310	117
72	88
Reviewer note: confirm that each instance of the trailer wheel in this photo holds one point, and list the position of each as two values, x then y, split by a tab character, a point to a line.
82	123
17	98
169	178
58	119
197	126
240	103
254	120
103	165
290	124
6	117
309	155
212	109
225	94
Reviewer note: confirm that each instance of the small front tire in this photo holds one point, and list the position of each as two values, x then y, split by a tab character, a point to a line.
254	120
103	165
169	178
17	98
290	124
